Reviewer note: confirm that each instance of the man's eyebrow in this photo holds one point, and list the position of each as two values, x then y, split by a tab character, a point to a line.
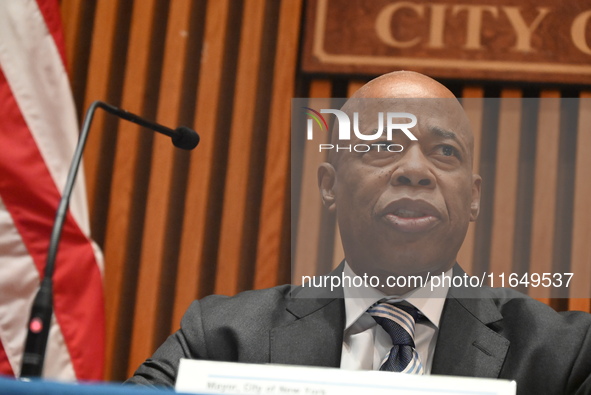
446	134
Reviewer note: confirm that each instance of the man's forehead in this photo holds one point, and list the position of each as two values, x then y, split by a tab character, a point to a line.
436	117
434	106
445	112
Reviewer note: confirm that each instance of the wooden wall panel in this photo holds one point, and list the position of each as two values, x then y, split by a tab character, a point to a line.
244	146
160	234
198	246
273	250
106	66
78	17
473	106
505	196
545	181
308	238
581	240
175	226
127	199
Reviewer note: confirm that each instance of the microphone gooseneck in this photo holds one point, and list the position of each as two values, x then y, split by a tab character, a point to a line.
42	310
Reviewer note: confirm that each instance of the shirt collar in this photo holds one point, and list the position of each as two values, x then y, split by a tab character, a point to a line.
359	299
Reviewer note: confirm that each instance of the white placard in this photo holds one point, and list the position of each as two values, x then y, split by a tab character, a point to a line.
207	377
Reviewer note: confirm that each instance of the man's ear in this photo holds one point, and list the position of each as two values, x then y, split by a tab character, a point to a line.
326	184
475	205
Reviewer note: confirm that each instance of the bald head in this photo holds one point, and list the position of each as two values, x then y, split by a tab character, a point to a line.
400	84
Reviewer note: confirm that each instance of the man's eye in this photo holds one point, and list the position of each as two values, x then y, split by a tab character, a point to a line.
448	150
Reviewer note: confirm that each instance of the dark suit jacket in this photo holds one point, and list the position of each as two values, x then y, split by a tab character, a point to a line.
494	333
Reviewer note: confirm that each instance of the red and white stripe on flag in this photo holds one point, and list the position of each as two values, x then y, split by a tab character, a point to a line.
38	134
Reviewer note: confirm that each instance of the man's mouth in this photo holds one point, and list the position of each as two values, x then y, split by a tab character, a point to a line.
406	213
411	216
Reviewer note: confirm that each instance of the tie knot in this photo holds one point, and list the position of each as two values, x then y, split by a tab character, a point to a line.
397	320
385	307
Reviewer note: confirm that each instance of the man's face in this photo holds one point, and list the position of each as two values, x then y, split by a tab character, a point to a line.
405	213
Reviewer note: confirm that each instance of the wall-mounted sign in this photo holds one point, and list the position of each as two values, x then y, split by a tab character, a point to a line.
526	40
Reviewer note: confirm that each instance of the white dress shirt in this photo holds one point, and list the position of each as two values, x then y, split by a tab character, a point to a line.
365	343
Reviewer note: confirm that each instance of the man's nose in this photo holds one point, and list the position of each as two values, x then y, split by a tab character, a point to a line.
413	169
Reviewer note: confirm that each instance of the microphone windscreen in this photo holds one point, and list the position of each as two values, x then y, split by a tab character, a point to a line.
185	138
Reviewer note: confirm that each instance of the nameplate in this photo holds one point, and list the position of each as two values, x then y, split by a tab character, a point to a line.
207	377
529	40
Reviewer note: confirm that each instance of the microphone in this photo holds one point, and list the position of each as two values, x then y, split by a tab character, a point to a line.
42	310
182	137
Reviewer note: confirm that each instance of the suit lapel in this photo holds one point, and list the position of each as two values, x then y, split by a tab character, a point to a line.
466	345
315	336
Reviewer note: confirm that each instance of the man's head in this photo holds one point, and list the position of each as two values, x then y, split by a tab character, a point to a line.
404	213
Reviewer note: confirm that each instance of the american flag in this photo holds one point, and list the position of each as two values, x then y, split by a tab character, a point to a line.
38	133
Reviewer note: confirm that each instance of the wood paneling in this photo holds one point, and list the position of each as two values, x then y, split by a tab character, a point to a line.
240	208
506	179
175	226
199	231
157	268
545	180
308	227
127	201
473	106
106	66
581	239
273	250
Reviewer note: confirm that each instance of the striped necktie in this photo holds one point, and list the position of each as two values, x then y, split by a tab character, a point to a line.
399	322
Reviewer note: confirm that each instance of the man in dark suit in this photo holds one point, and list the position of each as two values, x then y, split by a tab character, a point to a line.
400	215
